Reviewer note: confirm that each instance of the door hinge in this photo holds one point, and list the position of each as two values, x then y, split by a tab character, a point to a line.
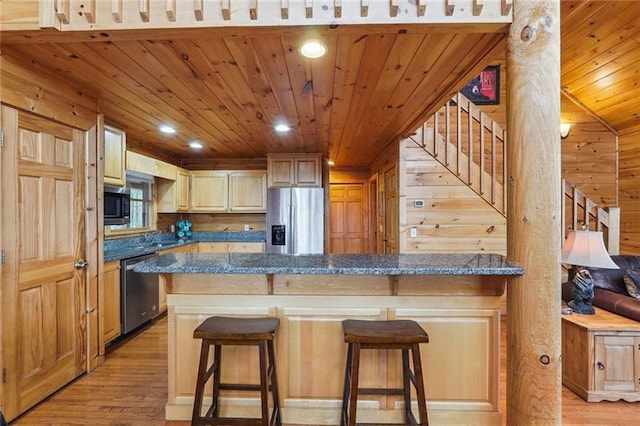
3	258
1	139
4	375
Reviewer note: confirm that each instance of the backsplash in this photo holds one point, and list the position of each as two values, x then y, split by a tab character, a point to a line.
167	238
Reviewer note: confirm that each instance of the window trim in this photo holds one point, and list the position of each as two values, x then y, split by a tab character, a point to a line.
132	176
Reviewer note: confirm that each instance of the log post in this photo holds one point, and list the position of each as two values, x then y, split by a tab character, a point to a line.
534	386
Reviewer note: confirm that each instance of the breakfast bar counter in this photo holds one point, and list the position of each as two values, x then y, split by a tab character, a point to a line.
456	298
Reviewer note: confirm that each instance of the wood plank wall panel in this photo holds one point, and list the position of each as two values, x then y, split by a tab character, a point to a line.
589	155
215	222
629	194
385	161
454	219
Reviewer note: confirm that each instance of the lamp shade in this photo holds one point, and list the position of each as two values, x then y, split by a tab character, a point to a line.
586	248
564	129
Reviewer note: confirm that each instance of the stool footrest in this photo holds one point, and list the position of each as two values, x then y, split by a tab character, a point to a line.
231	421
381	424
380	391
239	386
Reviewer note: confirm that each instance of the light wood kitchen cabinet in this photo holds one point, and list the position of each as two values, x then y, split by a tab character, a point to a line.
115	145
248	191
111	305
151	166
173	195
601	356
162	292
241	191
209	191
231	247
311	309
288	170
141	163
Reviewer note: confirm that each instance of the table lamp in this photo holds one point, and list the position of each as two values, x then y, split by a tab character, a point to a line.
582	249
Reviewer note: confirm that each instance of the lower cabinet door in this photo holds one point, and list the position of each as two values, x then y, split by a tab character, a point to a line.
111	301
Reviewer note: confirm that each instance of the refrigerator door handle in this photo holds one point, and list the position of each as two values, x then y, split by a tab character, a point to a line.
294	225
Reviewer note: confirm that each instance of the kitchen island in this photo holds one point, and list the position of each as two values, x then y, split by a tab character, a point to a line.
456	298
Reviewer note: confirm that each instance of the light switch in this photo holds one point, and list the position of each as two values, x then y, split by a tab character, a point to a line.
414	232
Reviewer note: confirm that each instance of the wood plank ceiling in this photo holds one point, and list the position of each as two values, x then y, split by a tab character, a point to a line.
600	60
229	87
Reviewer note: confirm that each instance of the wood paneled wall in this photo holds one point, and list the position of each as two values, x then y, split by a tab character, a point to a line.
629	175
386	160
453	218
589	155
214	221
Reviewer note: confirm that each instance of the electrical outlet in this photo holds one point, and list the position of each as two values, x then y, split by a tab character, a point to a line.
247	227
413	232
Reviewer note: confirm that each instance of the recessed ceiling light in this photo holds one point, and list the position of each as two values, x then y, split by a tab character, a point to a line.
313	49
282	128
195	144
167	129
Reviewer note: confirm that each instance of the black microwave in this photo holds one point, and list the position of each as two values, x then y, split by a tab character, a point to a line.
117	205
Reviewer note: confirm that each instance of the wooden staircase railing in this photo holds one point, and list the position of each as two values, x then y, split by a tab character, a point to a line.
472	146
580	212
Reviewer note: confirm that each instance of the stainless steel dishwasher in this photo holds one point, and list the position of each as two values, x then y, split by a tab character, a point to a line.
139	294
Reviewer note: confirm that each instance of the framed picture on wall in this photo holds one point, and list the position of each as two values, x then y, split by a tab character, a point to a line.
484	89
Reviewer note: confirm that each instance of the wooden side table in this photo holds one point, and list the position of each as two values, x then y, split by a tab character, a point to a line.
601	356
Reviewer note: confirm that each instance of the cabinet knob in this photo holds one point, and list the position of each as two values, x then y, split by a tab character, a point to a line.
81	264
600	365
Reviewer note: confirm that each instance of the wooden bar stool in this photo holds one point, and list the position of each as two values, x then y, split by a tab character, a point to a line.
219	331
399	334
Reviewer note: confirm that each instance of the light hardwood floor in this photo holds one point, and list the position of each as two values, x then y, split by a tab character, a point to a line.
131	389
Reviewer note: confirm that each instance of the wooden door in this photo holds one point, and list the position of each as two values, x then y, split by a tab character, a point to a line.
348	218
44	322
391	213
373	233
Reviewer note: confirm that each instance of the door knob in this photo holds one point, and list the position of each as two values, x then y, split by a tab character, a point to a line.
81	264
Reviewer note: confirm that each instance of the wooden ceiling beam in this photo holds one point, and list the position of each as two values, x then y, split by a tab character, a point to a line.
62	10
143	10
68	15
116	11
171	10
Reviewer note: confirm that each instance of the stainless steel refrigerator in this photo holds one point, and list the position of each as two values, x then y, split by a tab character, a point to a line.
295	220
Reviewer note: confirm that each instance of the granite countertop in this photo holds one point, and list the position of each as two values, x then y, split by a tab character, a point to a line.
345	264
126	248
127	252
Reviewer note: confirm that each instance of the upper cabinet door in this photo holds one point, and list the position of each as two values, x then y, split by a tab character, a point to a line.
308	171
115	145
248	191
294	170
280	171
209	191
